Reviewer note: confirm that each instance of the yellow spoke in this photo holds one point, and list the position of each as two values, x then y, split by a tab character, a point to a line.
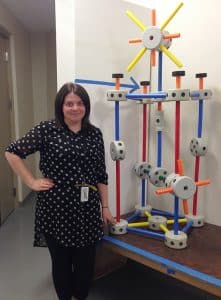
164	228
136	21
136	59
140	224
147	213
180	221
171	16
171	56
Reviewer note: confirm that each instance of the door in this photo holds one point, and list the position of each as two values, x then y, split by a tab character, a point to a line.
7	202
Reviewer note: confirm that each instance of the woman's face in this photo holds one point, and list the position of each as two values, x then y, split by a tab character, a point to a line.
73	109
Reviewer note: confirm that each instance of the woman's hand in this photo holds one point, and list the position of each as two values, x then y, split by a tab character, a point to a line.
107	216
41	184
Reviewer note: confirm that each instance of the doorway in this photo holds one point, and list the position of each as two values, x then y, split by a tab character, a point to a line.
7	191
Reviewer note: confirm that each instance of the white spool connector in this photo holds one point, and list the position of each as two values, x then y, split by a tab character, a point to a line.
117	150
116	95
178	95
158	176
201	95
143	209
159	120
119	227
156	221
183	186
175	241
198	220
152	37
142	169
198	146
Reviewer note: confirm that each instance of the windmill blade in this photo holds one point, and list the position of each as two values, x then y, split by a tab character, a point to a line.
136	59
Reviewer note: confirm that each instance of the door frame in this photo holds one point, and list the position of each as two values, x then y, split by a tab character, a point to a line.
14	105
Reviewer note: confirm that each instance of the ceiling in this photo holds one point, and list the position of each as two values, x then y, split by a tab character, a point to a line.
35	15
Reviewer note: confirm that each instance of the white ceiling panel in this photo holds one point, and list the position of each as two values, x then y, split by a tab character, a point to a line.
35	15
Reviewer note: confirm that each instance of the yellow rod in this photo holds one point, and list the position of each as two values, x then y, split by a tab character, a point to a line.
140	224
171	56
136	59
171	16
163	227
147	213
136	20
179	221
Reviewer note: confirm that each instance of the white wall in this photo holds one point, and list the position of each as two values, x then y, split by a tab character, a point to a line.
198	49
65	40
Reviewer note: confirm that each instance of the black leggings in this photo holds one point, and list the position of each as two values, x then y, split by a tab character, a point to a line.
72	269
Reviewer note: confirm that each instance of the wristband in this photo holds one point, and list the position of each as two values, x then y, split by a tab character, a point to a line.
104	206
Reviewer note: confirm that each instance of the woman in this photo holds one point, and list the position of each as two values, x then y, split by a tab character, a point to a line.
72	192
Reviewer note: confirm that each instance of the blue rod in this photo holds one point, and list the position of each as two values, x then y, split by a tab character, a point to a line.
164	213
160	68
117	121
187	226
147	232
161	95
159	148
176	215
200	119
159	133
133	217
143	192
134	86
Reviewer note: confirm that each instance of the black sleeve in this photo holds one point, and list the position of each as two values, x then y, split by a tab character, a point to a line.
30	143
101	166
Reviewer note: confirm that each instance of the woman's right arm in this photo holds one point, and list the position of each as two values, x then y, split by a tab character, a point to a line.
18	166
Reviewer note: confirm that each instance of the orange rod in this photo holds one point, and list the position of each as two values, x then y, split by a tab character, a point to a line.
171	36
201	83
153	58
153	17
185	207
178	82
117	84
144	89
159	106
164	191
133	41
180	167
203	182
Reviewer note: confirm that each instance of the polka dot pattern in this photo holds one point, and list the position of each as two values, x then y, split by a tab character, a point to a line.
69	159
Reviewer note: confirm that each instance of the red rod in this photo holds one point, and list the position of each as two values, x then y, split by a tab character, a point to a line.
196	177
197	167
118	190
177	127
144	153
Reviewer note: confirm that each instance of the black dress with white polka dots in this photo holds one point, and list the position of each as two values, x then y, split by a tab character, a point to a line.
70	160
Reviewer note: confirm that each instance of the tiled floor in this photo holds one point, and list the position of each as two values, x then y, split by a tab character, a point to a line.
25	270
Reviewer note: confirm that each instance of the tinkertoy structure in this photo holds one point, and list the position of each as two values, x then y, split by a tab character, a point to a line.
156	39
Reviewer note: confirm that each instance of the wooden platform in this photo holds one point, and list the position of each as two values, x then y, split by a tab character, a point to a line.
199	264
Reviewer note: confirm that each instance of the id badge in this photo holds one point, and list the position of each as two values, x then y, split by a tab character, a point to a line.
84	193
